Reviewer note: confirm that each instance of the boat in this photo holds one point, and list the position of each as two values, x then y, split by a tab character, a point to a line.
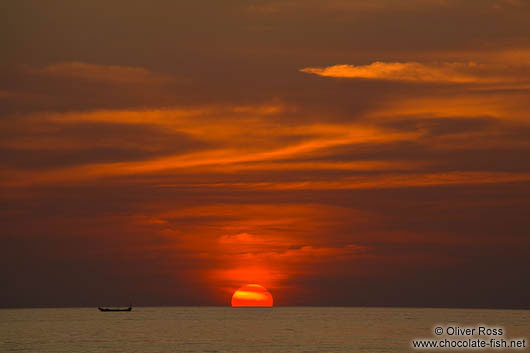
115	309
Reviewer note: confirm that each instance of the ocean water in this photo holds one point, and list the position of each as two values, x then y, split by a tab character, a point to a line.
225	329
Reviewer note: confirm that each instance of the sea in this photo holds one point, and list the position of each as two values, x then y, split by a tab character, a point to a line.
277	329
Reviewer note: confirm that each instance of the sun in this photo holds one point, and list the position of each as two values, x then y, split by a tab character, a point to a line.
252	295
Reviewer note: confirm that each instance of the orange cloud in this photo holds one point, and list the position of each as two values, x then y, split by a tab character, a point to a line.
271	268
386	181
508	105
111	74
256	243
240	238
443	72
229	144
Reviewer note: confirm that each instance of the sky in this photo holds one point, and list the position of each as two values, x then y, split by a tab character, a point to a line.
337	153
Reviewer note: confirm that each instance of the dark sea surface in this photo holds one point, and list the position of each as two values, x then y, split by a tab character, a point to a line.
225	329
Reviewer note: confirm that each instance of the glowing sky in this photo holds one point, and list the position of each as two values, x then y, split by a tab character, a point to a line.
337	153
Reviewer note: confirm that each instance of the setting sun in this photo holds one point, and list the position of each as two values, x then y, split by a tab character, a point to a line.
252	295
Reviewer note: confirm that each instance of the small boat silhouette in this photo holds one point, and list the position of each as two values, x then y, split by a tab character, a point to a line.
115	309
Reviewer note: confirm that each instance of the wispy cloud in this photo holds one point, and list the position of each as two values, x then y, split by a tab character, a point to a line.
335	6
443	72
109	74
389	181
228	145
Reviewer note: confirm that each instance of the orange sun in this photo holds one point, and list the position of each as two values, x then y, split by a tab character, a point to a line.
252	295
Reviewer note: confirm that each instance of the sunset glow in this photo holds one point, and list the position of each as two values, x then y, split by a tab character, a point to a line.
252	295
335	153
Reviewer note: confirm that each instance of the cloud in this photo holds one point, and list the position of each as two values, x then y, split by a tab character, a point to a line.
225	144
388	181
505	105
107	74
500	4
263	243
444	72
337	6
274	268
241	238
